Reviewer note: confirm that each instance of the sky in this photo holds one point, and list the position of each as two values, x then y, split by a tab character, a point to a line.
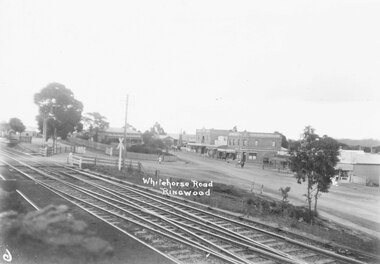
263	66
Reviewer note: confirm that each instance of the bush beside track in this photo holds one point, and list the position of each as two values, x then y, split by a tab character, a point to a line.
60	232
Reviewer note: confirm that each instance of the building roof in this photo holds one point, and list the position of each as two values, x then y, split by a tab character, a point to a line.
255	134
344	166
119	130
368	158
212	130
162	137
201	145
28	128
358	157
173	135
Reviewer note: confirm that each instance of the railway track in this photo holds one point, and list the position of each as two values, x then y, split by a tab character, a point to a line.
181	232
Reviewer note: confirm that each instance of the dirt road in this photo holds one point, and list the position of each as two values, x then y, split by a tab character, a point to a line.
352	205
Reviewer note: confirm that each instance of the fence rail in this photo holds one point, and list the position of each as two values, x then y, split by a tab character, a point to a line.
48	151
94	161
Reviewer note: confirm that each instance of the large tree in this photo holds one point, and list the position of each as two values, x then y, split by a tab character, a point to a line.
157	129
151	141
284	141
93	123
16	125
59	107
313	161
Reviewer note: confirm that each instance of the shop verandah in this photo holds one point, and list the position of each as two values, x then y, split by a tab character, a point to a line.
212	151
268	159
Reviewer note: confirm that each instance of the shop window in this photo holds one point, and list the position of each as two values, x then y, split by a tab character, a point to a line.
252	156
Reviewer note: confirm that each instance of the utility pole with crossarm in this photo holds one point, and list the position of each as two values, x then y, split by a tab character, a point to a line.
125	132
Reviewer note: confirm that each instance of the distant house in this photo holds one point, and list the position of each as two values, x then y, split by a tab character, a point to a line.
281	159
208	140
185	139
169	140
30	132
4	128
112	135
359	167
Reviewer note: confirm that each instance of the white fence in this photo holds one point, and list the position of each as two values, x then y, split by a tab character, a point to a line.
93	161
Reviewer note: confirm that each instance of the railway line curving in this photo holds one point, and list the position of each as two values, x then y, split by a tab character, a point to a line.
180	231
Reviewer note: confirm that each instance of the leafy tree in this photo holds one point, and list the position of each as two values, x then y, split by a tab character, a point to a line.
293	145
93	123
285	193
313	161
234	129
157	129
16	124
376	149
57	104
147	137
284	141
151	141
4	126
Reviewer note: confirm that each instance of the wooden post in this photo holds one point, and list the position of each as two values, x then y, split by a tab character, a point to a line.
253	187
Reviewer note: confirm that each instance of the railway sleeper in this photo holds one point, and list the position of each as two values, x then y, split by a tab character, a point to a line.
238	250
191	256
227	247
290	250
324	261
306	255
179	252
255	236
245	232
268	241
266	262
141	232
167	247
275	244
157	241
252	256
114	222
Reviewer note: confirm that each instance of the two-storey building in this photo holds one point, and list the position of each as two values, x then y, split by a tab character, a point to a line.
254	147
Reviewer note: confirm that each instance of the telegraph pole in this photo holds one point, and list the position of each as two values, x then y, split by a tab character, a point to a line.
125	132
44	129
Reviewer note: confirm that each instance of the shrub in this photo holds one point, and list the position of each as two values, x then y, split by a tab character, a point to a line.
285	193
227	189
53	231
145	149
10	201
